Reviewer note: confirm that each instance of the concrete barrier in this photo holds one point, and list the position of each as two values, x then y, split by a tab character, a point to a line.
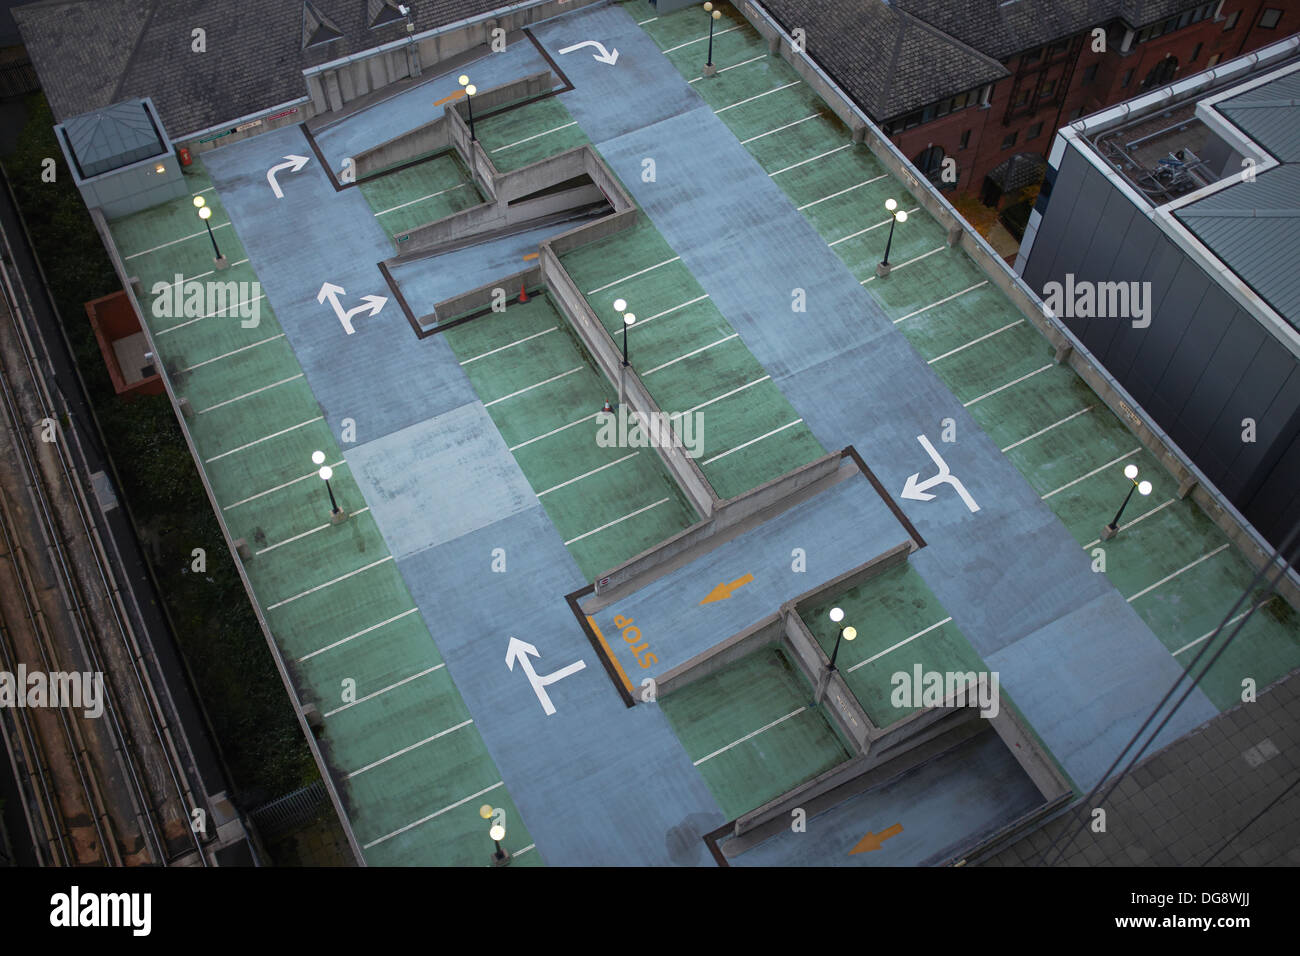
478	299
417	143
766	633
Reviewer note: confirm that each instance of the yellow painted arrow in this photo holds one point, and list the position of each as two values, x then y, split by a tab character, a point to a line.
724	590
447	99
872	841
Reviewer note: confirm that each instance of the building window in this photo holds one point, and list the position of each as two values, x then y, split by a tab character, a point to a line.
1196	52
1032	57
1089	75
1049	87
1033	131
1212	61
1009	141
965	140
1269	18
1023	98
1076	114
1231	22
1128	75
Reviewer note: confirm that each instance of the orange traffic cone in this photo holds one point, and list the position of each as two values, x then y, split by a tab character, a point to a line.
523	293
608	409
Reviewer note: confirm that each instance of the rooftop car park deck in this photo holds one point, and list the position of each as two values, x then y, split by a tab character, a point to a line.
478	497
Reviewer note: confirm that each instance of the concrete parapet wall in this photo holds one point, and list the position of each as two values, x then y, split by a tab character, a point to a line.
766	633
419	142
482	297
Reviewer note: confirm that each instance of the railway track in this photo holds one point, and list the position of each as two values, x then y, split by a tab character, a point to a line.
112	789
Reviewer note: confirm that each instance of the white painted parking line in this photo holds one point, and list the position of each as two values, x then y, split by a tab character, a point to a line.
1095	471
384	690
258	441
736	743
1190	644
720	397
519	853
680	46
780	128
947	298
320	587
894	647
642	23
190	368
226	310
211	408
854	235
361	633
625	517
610	285
865	182
659	368
527	338
385	212
407	750
976	341
192	235
1001	388
296	537
201	275
260	494
205	189
752	59
810	159
1044	431
902	265
660	315
759	96
1170	577
752	441
553	378
588	474
1128	524
553	431
436	813
528	139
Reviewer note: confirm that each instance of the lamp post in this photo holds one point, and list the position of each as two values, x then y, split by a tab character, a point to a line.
895	215
628	321
500	857
848	633
205	213
337	514
714	16
470	90
1141	487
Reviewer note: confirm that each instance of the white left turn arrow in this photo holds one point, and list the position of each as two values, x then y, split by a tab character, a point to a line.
920	490
604	56
370	303
521	651
294	164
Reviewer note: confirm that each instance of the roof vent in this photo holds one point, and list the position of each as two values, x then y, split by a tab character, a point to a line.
316	27
380	13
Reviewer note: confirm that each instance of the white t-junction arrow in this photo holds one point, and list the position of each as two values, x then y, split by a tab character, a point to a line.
520	651
918	490
604	56
294	164
330	291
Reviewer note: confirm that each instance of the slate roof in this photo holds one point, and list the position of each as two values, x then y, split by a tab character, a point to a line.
93	53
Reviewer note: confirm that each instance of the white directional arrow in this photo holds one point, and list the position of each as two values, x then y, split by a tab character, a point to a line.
294	164
330	291
520	651
919	490
604	56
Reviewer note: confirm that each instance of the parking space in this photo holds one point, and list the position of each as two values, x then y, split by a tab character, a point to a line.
692	361
425	192
336	605
1171	564
544	395
523	135
752	731
900	625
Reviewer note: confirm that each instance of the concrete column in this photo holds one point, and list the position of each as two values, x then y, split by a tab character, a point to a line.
954	235
186	409
242	549
1186	485
1063	353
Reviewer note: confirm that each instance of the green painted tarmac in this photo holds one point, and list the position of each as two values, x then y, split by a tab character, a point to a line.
752	731
1169	560
412	767
899	623
543	394
425	192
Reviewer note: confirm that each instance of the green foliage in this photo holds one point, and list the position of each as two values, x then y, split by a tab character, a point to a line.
218	633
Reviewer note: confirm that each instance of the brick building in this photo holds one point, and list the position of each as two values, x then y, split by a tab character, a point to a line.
987	82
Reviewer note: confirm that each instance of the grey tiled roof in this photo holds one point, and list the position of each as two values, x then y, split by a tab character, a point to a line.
91	53
883	57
